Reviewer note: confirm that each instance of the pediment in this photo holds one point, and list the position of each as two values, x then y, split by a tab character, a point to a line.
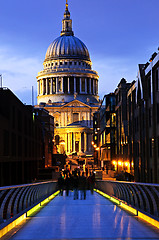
57	113
76	103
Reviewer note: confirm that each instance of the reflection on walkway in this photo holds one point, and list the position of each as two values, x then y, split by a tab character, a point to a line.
93	218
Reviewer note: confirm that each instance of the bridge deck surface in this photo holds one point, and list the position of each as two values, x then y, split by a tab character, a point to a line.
94	218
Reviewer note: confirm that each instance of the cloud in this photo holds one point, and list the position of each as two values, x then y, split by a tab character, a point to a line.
111	70
19	72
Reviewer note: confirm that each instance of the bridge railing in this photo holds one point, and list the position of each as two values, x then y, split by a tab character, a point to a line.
15	200
142	196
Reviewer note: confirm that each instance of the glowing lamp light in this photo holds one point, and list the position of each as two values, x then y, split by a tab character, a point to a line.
92	143
119	163
62	143
97	148
126	164
114	162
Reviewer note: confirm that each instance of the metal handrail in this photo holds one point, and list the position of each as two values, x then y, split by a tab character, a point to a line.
18	198
142	196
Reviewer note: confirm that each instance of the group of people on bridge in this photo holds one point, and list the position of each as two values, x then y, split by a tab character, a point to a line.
78	182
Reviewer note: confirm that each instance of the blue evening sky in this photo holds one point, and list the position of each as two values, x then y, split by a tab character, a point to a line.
119	35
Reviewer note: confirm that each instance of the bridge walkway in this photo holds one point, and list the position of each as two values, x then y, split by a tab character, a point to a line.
95	218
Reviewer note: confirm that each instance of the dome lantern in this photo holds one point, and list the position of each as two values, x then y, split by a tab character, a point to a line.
67	23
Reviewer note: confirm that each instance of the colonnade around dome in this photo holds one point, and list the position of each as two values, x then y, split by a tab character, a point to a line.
70	85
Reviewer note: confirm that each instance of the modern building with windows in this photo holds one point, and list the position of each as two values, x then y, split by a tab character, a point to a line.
104	129
112	129
147	121
68	89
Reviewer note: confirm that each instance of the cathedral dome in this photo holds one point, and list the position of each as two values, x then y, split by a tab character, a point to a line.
67	47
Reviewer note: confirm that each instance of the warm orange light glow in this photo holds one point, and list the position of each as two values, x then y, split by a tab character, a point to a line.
95	145
114	162
97	148
126	164
62	143
119	163
92	143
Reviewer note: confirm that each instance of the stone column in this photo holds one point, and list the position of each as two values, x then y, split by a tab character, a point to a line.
80	85
73	140
65	137
46	86
85	142
38	87
85	85
65	118
62	119
42	90
57	84
80	142
97	86
62	85
51	90
90	86
74	84
93	87
68	85
69	143
90	118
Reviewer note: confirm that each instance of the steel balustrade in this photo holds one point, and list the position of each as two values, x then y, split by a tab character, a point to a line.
142	196
20	198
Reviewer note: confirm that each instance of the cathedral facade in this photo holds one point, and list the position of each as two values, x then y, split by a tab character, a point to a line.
68	89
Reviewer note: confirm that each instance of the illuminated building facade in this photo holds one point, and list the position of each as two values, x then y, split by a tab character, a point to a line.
112	125
136	125
122	125
104	131
68	89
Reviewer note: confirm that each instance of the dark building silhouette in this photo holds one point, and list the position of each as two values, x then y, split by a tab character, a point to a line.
147	128
21	140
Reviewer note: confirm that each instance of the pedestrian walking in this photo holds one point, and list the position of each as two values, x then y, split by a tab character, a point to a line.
60	184
82	186
67	184
75	185
91	181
